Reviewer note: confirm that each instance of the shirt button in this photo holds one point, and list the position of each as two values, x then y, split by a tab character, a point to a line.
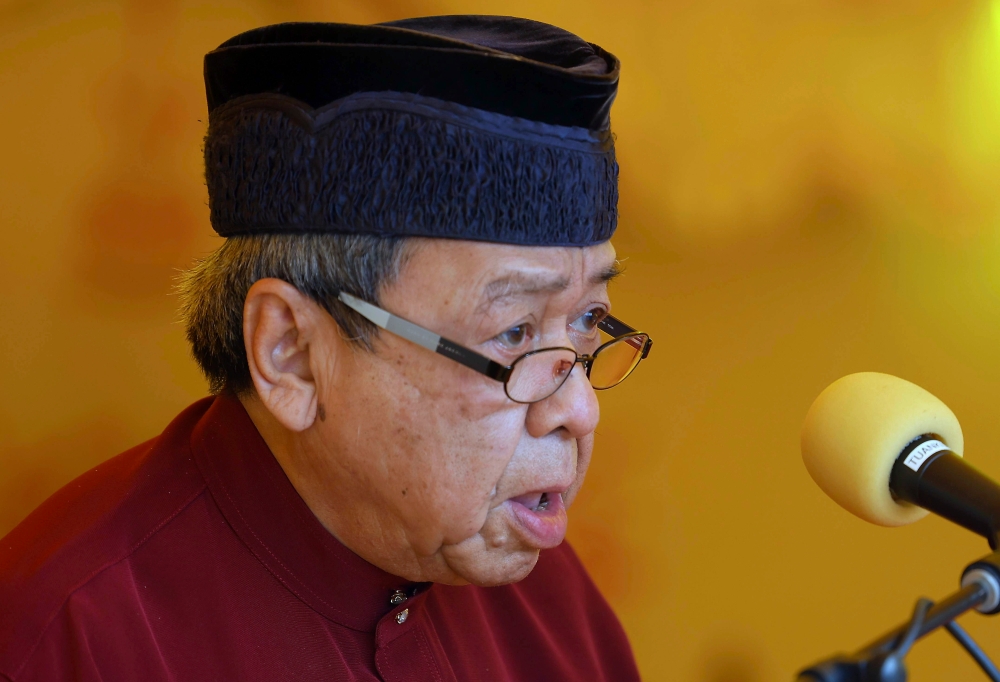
402	616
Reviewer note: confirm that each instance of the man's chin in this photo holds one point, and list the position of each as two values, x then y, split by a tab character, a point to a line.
502	552
492	570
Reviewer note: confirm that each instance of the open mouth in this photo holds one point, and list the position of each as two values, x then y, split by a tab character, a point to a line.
543	503
539	518
536	502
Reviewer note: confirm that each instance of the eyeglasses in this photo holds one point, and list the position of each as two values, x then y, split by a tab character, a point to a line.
537	374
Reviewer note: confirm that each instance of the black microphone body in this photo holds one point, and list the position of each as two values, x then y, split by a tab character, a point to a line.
931	476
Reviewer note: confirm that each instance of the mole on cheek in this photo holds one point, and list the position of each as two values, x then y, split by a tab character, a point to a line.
321	412
464	410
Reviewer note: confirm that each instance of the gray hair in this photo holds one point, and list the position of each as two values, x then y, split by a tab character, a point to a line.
320	265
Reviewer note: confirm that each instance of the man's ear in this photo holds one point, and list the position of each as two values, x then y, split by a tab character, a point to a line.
283	333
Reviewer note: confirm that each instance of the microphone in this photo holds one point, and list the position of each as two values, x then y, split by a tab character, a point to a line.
888	451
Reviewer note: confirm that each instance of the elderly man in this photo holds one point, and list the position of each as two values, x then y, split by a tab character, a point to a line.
403	332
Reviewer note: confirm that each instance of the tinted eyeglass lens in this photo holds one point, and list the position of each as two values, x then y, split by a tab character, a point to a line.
537	376
616	361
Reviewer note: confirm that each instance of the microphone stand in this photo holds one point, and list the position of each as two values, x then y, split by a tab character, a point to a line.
883	659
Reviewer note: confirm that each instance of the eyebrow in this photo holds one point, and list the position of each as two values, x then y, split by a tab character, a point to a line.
608	274
520	284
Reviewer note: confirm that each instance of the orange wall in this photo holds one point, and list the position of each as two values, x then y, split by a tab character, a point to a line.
808	189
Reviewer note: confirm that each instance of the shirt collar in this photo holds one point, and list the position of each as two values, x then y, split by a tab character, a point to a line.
264	509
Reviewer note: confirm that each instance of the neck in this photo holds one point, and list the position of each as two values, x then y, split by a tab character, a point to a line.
291	451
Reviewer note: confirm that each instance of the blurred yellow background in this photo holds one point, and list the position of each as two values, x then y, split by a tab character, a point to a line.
808	189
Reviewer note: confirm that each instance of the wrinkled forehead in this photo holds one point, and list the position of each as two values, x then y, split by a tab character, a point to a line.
491	274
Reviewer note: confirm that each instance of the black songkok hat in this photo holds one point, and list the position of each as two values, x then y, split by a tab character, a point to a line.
468	127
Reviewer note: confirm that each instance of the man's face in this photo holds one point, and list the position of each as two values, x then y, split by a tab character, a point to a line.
427	469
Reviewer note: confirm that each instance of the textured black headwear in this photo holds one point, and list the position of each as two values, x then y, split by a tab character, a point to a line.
468	127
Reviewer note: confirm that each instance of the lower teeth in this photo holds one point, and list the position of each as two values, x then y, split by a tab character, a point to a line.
543	503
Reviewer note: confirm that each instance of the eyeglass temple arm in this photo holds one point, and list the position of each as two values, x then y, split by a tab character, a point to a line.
616	328
425	337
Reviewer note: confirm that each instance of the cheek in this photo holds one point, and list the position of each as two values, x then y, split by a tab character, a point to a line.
585	449
472	470
458	460
442	438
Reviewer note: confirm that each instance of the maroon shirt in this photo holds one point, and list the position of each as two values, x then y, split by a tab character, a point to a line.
192	557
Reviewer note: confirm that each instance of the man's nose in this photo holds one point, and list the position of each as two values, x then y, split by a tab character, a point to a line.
572	407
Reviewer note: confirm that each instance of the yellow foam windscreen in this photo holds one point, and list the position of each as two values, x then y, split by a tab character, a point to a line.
856	429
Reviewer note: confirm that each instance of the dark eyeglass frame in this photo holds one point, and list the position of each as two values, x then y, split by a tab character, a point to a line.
432	341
